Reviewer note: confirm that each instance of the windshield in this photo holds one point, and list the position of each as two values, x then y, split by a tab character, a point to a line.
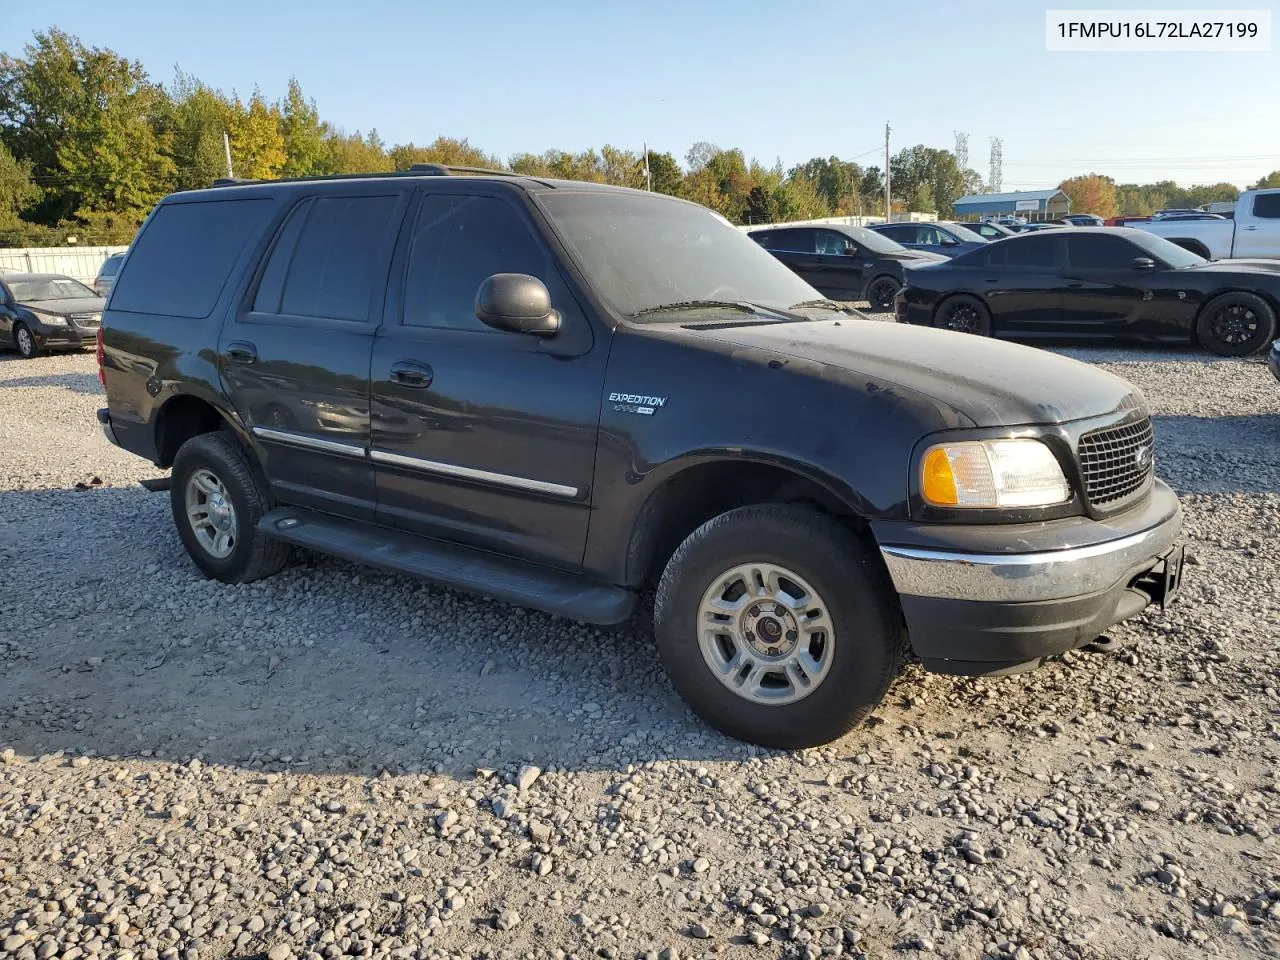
1162	249
642	251
875	242
49	288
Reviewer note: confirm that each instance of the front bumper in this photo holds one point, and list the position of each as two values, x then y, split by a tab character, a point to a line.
69	336
1273	360
990	599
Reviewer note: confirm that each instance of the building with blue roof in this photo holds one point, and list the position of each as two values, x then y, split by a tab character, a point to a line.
1032	204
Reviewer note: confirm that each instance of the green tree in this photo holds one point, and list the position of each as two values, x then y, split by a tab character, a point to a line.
1270	181
798	199
836	180
666	174
303	134
195	122
623	168
530	165
87	121
17	191
922	199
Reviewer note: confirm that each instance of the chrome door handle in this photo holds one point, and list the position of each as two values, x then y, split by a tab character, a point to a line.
407	373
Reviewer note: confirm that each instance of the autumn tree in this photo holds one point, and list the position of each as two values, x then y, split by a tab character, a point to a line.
257	145
353	153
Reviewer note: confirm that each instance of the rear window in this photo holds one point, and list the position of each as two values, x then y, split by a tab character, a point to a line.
1267	206
181	261
111	266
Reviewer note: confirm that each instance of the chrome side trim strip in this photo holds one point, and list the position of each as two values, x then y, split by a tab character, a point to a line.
1026	577
471	473
308	442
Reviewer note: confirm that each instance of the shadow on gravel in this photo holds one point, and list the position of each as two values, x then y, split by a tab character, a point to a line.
76	382
1219	454
124	650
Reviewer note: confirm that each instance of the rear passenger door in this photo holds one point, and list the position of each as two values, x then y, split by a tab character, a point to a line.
295	355
840	265
794	247
483	437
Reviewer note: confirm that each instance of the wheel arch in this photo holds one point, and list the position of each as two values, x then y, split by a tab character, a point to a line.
186	415
694	490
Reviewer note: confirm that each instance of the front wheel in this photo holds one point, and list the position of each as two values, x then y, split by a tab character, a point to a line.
777	626
217	500
881	291
1236	324
25	341
964	314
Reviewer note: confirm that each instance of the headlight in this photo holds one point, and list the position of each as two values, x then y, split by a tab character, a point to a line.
50	319
992	473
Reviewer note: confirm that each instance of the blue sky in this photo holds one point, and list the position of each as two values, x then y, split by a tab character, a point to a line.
781	81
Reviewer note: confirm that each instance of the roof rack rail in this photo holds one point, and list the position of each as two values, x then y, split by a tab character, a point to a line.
417	170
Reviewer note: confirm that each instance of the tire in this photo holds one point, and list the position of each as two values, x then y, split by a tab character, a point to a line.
1236	324
25	342
215	466
964	314
859	648
881	291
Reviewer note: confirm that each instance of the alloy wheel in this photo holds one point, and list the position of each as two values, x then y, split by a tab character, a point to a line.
211	514
766	633
1234	324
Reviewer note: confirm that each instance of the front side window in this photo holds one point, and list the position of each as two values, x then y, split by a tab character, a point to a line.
458	243
833	244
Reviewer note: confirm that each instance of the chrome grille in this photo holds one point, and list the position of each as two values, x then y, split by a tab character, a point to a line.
1117	462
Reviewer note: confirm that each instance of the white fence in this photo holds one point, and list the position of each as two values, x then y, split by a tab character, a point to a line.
82	263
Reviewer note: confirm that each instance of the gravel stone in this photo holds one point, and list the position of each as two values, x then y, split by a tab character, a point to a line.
165	795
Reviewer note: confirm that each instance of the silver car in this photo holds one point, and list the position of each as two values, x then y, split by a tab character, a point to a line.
106	277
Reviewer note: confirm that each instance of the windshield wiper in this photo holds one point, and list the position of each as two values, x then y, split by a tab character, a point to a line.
825	304
701	304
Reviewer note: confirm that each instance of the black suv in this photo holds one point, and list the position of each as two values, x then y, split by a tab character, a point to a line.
558	393
843	262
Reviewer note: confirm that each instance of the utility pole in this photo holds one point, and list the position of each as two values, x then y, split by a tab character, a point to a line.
648	177
888	195
226	148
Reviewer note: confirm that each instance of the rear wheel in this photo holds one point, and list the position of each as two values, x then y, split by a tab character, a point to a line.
777	626
881	291
1236	324
217	500
964	314
25	341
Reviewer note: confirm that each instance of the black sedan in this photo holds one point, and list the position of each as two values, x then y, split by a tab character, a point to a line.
41	311
843	262
1095	282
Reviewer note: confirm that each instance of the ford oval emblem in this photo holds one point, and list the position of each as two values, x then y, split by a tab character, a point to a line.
1143	456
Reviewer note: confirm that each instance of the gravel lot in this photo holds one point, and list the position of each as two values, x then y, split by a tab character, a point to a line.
340	762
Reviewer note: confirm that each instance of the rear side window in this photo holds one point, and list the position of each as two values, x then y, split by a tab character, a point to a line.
327	259
458	243
181	261
111	266
1267	206
1099	252
1032	251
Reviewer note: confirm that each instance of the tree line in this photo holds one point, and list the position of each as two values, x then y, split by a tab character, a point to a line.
89	142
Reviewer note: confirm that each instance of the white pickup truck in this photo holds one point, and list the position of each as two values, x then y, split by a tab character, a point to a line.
1253	232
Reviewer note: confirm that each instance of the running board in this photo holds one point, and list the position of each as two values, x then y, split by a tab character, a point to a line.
523	584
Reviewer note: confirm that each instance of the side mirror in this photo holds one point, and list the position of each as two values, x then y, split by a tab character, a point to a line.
517	303
1143	263
950	242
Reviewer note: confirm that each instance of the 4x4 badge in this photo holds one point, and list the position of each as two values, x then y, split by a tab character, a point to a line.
636	403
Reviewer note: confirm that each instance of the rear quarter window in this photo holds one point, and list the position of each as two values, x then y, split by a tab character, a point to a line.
182	259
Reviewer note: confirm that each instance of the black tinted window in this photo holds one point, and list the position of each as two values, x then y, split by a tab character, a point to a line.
337	259
458	243
1267	205
271	286
902	234
1099	252
181	261
1031	252
111	266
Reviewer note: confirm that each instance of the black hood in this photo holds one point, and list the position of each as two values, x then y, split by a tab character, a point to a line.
73	306
1271	267
991	382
